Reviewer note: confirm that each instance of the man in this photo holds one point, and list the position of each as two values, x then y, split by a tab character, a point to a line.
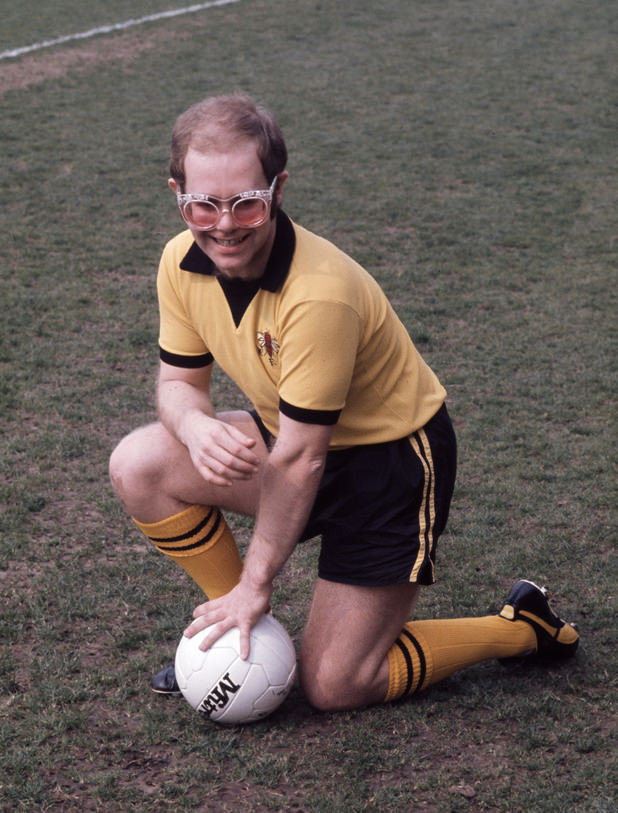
349	439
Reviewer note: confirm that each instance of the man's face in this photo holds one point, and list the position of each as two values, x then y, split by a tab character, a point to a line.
237	252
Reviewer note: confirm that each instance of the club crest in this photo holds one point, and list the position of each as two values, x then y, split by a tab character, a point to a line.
268	346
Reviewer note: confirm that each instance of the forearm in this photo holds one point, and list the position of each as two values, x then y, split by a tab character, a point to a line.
289	480
178	403
220	451
287	494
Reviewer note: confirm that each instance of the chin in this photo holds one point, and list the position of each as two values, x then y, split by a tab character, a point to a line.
247	260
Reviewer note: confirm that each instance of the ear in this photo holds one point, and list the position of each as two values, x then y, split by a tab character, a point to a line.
283	176
174	186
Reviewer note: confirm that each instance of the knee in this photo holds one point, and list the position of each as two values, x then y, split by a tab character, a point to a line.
328	688
320	690
132	469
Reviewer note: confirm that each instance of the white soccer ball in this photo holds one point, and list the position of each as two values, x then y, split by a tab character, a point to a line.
224	688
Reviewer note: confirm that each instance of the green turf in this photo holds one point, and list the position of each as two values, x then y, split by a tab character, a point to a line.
34	21
465	152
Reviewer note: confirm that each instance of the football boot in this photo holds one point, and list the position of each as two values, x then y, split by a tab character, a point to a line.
164	682
555	638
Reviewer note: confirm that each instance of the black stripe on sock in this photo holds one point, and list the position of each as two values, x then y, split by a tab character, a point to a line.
190	533
197	544
421	656
409	665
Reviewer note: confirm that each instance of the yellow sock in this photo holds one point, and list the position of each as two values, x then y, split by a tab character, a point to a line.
429	651
200	541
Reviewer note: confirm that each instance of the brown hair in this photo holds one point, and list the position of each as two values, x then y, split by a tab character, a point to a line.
216	121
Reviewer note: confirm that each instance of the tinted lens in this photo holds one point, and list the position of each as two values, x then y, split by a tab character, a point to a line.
202	214
250	211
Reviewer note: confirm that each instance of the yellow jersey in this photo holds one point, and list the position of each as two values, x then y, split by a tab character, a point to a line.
315	338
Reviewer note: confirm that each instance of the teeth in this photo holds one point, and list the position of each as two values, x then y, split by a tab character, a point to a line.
228	243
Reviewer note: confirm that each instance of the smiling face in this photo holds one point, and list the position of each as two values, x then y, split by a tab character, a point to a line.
238	253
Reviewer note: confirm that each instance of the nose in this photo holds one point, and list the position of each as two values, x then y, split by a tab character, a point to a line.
226	221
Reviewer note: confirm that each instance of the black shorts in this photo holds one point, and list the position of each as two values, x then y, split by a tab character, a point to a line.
380	508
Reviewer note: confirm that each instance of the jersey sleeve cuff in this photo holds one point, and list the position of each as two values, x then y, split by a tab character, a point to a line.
188	362
322	417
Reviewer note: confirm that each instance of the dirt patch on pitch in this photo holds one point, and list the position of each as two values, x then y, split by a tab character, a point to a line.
22	72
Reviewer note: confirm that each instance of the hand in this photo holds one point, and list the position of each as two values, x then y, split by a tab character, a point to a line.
219	451
242	607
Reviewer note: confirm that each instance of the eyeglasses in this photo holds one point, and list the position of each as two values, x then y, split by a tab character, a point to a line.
248	209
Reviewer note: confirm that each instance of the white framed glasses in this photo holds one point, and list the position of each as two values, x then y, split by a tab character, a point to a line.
248	209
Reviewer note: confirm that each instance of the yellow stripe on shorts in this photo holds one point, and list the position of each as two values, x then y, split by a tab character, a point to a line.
427	510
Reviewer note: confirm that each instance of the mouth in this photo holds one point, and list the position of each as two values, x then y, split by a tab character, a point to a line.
230	243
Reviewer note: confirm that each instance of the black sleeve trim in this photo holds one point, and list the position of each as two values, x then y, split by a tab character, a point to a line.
188	362
322	417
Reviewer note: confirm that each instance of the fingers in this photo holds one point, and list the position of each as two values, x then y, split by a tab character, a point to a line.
245	642
219	629
217	474
225	455
240	436
202	609
203	618
235	448
236	441
225	464
218	617
213	636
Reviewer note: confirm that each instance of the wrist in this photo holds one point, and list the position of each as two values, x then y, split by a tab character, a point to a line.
187	423
257	574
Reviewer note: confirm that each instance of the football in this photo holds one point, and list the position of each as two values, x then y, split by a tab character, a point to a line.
224	688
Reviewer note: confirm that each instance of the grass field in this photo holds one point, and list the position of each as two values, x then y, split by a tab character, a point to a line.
466	153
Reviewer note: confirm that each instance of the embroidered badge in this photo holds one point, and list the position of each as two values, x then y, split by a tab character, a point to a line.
268	346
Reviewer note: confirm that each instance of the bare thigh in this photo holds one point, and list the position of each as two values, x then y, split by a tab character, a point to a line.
348	634
154	476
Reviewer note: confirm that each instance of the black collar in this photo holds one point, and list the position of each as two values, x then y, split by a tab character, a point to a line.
278	264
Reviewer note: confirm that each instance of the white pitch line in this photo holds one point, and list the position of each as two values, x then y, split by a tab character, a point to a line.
106	29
